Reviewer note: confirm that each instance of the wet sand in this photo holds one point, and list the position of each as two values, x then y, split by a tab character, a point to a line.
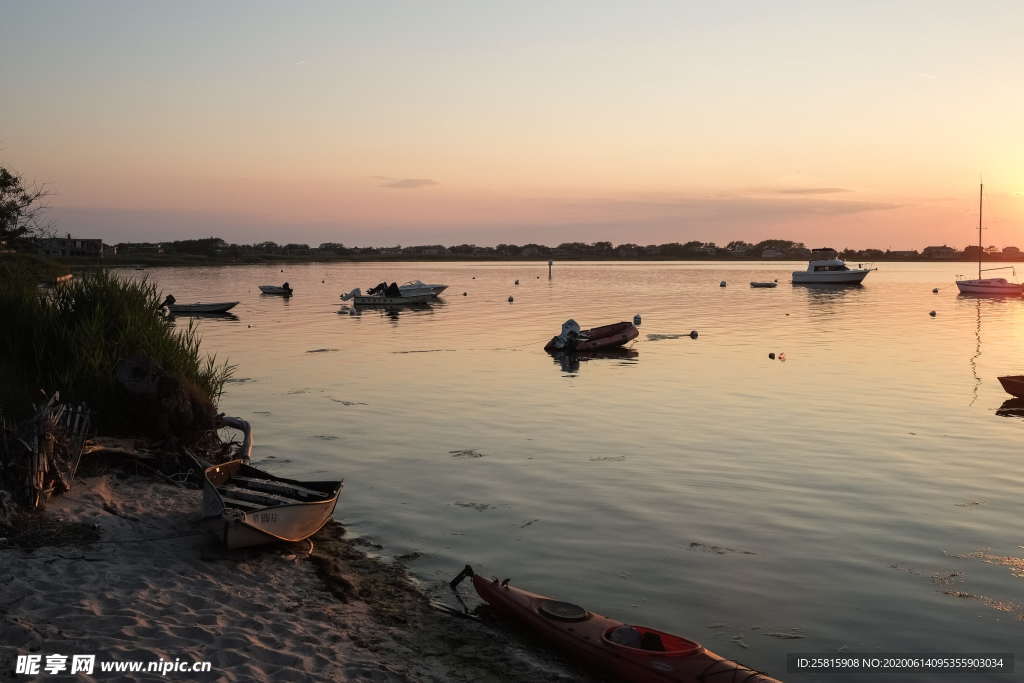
154	586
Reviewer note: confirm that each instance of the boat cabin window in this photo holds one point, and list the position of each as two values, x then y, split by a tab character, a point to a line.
821	269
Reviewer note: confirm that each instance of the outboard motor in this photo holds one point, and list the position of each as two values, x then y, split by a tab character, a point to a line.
168	302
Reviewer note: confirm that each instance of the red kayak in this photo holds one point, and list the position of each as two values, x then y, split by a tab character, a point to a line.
604	337
617	650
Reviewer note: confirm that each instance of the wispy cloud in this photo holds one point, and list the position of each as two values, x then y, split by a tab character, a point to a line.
801	190
405	183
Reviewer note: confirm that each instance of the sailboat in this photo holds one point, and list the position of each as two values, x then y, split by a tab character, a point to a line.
990	285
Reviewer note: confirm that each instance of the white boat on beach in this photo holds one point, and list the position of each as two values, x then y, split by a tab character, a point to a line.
283	290
988	286
416	287
825	267
245	506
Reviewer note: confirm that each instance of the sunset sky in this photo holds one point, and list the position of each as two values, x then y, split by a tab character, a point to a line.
381	123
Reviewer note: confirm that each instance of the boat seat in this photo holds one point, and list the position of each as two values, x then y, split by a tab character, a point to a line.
236	503
276	486
264	499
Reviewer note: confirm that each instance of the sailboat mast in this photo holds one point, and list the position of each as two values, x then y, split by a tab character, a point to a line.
981	191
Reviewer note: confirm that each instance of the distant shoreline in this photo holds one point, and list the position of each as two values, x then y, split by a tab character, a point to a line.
179	260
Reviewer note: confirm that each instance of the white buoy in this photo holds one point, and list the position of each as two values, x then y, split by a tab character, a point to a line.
722	283
636	319
693	334
517	283
932	314
510	299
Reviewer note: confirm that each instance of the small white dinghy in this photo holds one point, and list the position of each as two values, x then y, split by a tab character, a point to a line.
283	290
198	307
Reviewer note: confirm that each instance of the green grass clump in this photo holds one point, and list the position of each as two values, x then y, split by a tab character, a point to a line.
71	338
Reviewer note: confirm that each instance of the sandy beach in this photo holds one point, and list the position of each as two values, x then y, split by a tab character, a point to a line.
154	587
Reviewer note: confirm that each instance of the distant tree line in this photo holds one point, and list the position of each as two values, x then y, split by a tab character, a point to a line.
780	249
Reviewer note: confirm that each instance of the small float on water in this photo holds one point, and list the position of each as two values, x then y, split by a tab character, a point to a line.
282	290
573	338
197	308
618	650
765	284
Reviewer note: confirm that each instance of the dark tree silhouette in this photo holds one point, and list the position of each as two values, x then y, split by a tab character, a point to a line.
19	208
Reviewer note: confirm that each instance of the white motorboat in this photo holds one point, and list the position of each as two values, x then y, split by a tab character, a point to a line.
988	286
826	268
283	290
414	287
357	297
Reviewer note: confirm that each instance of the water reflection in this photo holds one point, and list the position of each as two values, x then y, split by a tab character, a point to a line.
1013	407
229	317
569	361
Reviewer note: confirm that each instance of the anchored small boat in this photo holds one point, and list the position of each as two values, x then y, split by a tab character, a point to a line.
826	268
988	286
1013	385
620	651
764	284
282	290
198	307
573	338
416	287
246	506
385	295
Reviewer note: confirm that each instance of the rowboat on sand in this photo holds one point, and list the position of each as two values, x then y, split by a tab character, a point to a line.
618	651
246	506
573	338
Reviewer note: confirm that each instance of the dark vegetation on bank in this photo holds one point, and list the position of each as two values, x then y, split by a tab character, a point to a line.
73	338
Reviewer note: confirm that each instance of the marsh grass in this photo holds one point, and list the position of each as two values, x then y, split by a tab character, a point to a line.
71	338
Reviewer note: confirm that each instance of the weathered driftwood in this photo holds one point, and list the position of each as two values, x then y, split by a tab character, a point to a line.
41	455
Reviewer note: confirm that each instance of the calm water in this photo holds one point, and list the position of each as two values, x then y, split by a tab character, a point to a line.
861	494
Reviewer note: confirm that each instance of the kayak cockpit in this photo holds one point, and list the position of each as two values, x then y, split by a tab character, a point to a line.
643	640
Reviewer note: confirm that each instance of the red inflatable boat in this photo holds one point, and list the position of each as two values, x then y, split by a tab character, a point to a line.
619	651
604	337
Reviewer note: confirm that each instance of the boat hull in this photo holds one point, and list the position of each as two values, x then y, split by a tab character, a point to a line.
830	277
989	287
245	506
1013	385
274	289
597	338
764	285
222	307
366	300
585	636
417	288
